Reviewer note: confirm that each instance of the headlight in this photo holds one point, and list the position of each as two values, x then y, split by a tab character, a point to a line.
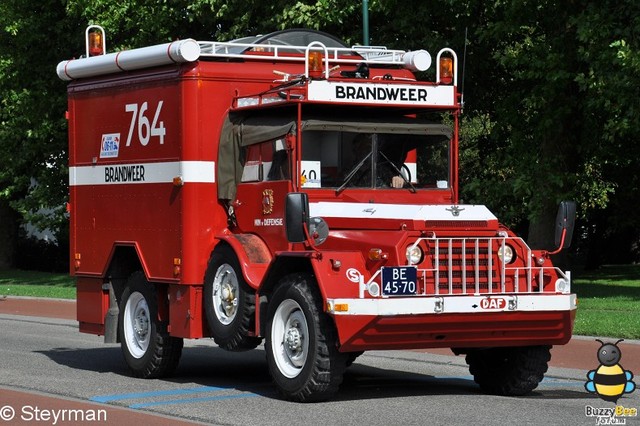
505	254
414	255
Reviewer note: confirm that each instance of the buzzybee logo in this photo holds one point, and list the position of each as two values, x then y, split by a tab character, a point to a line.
609	381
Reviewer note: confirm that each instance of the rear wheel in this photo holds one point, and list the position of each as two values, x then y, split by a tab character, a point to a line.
229	302
301	342
511	371
146	345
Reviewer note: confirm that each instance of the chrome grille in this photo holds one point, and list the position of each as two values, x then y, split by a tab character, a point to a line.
472	266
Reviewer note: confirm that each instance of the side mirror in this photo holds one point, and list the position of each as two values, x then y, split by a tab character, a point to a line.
565	222
296	213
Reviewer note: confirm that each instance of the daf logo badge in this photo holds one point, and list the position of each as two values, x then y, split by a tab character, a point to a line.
455	210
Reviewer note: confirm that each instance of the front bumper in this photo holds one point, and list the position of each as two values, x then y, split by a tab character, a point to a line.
453	321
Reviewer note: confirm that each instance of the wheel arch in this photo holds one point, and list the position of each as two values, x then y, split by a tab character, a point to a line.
123	261
281	266
252	253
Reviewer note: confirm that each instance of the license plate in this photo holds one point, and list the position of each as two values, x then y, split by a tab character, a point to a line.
399	280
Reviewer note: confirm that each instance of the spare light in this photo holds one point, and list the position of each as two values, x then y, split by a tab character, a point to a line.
373	289
562	286
177	263
505	254
340	307
377	254
95	44
315	62
446	70
95	40
414	255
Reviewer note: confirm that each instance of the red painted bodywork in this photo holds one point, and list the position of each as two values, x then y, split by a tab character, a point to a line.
168	225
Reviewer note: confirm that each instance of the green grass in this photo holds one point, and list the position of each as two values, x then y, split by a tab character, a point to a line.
14	282
608	302
608	299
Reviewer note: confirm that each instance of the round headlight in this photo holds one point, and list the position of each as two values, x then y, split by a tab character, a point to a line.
505	254
373	289
414	255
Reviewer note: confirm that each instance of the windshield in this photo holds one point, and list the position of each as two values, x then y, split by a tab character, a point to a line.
342	159
337	151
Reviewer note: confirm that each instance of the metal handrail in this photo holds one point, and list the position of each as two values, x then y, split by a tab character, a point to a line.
378	55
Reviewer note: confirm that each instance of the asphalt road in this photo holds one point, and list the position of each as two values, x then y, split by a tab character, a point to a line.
48	356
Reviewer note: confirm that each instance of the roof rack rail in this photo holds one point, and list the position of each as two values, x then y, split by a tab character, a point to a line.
343	55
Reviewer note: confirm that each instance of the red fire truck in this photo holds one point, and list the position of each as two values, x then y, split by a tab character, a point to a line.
291	188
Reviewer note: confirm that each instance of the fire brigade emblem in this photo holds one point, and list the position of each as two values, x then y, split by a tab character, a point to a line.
267	201
455	210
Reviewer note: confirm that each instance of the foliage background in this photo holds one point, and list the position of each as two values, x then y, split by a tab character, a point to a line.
552	107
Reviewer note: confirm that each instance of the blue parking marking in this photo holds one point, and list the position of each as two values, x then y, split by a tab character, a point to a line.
138	395
553	381
191	400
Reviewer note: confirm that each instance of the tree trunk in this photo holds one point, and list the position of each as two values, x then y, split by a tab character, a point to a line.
8	235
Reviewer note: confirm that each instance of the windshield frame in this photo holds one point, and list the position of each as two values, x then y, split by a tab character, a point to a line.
373	167
242	129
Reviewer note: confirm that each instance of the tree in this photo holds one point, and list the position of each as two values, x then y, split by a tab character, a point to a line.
550	112
557	91
33	171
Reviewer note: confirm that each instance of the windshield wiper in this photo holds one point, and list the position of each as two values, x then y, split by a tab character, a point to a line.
352	173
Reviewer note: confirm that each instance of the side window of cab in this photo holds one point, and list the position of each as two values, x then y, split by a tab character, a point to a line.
266	161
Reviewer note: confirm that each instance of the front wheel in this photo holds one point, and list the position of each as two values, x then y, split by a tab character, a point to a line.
301	342
229	302
511	371
148	349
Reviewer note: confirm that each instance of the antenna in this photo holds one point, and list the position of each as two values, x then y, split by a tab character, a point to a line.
464	62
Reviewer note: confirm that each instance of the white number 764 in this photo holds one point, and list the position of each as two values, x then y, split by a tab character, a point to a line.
145	130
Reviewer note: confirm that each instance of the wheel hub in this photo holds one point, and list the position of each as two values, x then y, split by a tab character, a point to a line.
293	340
137	325
228	298
289	338
141	325
225	294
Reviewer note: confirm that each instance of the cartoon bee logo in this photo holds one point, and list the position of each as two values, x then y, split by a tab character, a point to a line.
609	381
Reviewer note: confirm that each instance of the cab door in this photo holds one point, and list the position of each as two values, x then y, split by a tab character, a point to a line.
260	196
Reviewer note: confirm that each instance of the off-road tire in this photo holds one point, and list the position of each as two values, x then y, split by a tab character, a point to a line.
148	349
352	356
295	308
510	371
230	329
